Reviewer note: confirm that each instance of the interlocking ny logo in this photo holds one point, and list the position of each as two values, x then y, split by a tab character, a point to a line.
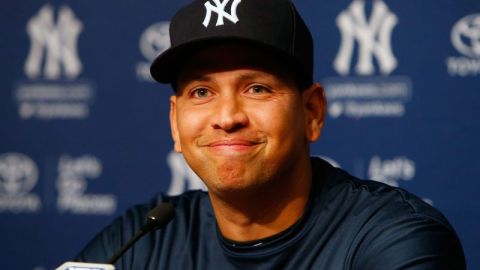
373	37
56	42
221	13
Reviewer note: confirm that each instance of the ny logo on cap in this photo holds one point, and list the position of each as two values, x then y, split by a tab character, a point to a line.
220	10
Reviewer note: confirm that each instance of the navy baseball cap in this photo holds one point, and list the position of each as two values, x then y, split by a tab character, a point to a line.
274	25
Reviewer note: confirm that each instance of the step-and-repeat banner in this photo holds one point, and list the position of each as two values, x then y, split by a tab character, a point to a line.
84	129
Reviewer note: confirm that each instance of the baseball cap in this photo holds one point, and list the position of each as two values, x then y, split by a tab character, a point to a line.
274	25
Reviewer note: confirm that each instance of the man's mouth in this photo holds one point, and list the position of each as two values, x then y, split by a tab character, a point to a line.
233	145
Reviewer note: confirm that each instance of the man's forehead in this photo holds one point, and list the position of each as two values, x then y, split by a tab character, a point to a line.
240	74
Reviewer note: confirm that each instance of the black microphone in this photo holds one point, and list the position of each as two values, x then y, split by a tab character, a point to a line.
156	219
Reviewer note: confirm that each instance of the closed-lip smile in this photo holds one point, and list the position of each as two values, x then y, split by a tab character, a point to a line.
234	145
231	143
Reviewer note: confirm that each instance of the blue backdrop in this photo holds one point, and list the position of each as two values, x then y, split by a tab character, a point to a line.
84	131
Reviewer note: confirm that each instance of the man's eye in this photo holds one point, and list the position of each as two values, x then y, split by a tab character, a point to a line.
200	93
258	89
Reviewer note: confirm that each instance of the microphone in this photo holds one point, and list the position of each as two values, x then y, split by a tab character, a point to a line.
156	219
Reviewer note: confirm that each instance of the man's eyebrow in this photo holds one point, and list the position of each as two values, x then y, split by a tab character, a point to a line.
202	77
196	76
251	75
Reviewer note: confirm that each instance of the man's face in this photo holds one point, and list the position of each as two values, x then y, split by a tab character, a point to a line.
239	119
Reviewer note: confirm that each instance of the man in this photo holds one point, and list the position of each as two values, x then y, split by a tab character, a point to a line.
243	114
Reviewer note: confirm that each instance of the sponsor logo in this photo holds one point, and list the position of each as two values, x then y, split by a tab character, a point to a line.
154	41
183	178
72	183
18	176
465	37
219	8
52	89
391	171
361	97
366	94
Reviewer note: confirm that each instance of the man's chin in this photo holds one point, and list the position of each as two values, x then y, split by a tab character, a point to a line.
231	187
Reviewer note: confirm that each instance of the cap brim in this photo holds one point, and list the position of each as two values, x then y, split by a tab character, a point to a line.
166	66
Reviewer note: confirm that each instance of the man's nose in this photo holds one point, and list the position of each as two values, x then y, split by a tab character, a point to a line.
230	114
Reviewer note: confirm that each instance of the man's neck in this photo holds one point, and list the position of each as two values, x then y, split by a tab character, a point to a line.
266	211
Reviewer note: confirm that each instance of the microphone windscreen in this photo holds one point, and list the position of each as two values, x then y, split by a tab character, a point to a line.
159	216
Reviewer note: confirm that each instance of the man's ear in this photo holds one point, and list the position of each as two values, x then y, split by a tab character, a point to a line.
173	125
315	106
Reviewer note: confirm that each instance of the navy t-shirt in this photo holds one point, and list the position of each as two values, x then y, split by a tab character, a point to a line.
348	224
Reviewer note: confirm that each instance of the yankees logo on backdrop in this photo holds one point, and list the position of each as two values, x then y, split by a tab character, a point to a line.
219	8
372	36
369	39
53	89
54	42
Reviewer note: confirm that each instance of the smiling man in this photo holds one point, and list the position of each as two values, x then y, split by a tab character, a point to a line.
244	112
244	126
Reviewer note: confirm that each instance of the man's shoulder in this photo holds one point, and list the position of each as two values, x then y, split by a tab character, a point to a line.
384	227
367	196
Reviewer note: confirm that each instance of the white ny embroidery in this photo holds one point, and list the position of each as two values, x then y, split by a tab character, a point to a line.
219	8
